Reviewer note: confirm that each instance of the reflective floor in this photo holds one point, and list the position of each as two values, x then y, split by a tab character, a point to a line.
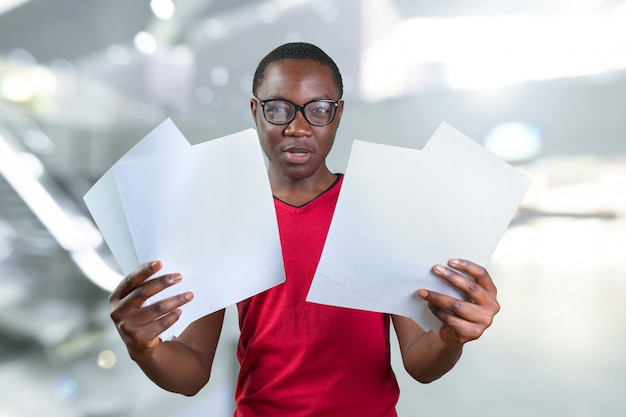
556	348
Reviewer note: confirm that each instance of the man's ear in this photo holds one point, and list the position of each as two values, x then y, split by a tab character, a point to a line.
253	109
339	112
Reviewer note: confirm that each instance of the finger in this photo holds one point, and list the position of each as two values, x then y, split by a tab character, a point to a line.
134	302
159	309
446	306
142	337
135	278
470	278
148	322
478	272
471	287
456	328
152	287
468	321
468	286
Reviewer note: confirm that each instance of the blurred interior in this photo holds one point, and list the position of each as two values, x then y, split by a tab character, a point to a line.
540	83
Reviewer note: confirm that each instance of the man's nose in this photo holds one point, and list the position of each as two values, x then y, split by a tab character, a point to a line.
299	126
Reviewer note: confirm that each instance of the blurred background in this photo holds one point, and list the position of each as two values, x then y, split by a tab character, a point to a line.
541	83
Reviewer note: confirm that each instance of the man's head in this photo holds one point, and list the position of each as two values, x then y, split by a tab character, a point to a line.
296	108
297	50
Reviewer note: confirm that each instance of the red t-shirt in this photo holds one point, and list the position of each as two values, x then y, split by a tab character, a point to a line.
304	359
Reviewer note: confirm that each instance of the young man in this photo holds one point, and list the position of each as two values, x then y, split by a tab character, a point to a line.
299	358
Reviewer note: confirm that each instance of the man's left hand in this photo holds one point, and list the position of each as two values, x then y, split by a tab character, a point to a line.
463	320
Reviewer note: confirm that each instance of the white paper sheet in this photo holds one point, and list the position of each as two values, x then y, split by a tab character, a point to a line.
105	205
401	211
207	212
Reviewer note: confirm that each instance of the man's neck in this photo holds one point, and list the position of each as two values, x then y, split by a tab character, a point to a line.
299	191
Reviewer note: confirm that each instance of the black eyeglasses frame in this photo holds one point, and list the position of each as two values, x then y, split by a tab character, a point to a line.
298	107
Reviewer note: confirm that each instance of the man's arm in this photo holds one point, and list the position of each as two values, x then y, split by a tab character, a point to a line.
181	365
429	355
426	357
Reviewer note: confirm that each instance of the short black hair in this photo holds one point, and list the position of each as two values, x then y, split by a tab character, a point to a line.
297	50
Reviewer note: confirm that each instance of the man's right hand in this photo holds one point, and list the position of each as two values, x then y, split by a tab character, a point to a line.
139	324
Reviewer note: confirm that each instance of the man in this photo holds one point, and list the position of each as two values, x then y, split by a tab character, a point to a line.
299	358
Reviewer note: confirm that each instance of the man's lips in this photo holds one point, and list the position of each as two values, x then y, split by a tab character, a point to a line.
298	155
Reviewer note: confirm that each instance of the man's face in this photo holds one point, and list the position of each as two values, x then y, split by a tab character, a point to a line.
296	150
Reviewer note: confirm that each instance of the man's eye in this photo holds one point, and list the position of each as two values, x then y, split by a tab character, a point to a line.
320	109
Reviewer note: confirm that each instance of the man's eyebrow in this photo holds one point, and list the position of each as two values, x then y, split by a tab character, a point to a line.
324	97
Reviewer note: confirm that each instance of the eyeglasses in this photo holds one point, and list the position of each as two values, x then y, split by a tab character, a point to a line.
282	112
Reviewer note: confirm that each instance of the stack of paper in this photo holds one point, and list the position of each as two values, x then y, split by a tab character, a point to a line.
206	211
401	211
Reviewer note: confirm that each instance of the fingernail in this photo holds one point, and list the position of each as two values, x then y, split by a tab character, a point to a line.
148	266
439	268
189	296
455	261
422	293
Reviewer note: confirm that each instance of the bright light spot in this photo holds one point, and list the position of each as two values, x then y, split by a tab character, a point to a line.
24	86
118	54
214	28
12	292
20	57
267	13
514	141
163	9
5	6
38	141
107	359
383	71
6	250
63	66
17	88
44	81
204	94
591	185
219	76
66	389
145	43
328	12
183	55
479	52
